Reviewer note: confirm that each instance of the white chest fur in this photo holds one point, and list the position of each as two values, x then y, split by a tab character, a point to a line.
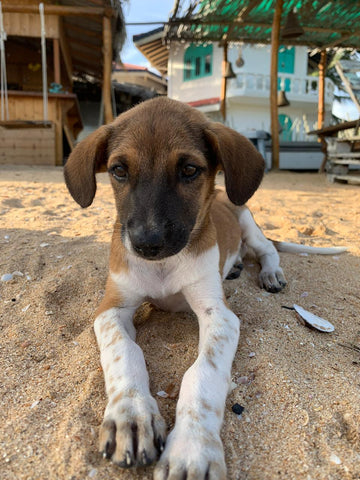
159	280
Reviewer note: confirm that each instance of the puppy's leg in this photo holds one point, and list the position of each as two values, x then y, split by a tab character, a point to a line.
133	431
271	275
194	449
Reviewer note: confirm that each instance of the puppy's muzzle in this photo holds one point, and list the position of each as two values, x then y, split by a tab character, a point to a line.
157	240
148	243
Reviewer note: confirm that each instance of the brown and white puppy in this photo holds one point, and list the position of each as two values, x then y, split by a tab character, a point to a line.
175	239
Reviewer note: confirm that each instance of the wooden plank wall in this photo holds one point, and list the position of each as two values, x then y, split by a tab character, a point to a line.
31	108
33	146
28	25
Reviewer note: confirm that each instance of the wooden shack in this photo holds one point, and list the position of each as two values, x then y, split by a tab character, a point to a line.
82	38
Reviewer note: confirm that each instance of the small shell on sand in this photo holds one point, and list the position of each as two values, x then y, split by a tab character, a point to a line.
313	320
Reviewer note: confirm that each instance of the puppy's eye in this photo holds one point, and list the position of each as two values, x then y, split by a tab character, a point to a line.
119	172
189	172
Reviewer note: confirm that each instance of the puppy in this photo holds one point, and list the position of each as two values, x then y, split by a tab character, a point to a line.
175	238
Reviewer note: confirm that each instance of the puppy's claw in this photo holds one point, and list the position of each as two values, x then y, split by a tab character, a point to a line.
107	439
273	289
128	459
127	462
145	460
160	444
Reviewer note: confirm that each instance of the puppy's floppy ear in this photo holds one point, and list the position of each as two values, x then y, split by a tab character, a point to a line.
87	158
242	163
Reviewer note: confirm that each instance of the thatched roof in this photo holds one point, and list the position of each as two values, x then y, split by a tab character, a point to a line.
326	23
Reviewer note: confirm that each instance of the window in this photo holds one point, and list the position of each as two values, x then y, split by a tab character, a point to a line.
286	65
187	72
208	64
197	66
197	61
285	124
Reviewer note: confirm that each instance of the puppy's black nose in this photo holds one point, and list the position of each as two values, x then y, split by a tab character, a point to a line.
147	243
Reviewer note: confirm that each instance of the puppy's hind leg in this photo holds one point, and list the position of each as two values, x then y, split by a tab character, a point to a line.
271	275
236	269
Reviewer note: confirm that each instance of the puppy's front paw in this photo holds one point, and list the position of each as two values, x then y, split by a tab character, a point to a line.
272	281
133	431
194	454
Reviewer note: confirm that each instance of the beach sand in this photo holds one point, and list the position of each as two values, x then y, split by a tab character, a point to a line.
301	394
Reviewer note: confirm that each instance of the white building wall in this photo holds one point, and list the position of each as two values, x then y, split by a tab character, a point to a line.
247	117
248	108
192	90
257	61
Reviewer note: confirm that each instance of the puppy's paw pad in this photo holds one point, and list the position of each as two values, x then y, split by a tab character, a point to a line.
178	471
272	282
192	459
133	432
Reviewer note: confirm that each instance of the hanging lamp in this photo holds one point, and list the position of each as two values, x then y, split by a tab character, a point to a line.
292	28
282	100
229	72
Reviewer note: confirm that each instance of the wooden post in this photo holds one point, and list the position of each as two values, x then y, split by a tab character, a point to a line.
275	34
65	52
321	101
321	107
107	60
57	71
223	84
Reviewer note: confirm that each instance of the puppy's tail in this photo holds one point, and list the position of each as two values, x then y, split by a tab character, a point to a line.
289	247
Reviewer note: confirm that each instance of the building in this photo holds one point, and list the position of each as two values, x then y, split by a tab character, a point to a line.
133	84
195	76
58	65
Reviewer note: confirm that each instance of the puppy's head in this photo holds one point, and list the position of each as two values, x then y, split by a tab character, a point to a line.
162	157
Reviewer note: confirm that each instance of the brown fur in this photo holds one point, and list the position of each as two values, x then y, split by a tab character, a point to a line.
163	157
228	232
111	299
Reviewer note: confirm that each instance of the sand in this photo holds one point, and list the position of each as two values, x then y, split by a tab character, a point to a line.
301	394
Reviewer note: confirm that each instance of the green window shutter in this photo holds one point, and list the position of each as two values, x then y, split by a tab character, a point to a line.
285	123
286	64
198	61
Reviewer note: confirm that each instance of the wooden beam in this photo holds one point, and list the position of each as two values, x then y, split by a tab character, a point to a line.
72	28
65	50
57	71
275	34
153	48
321	101
28	25
160	55
342	39
62	10
90	49
321	106
347	85
223	83
107	63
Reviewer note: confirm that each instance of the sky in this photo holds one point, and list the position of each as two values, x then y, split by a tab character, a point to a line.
159	10
142	11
